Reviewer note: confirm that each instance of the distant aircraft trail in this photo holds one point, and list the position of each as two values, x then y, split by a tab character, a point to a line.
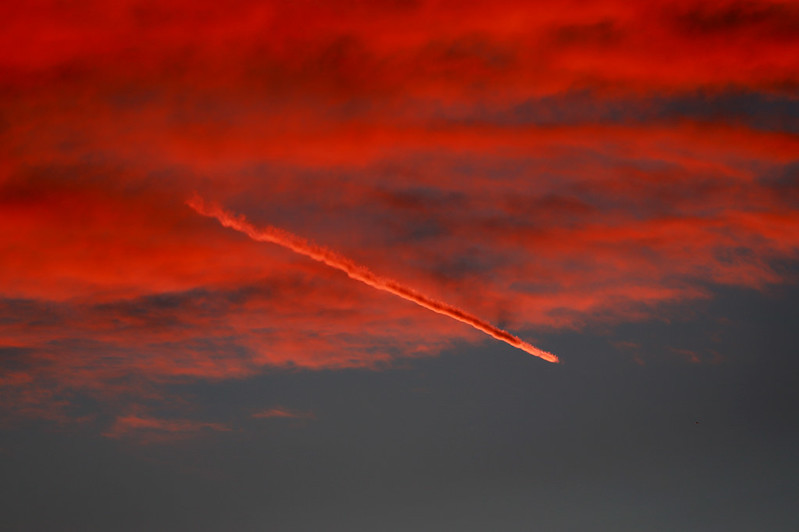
358	272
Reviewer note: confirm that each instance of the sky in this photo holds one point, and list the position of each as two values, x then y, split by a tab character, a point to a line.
298	265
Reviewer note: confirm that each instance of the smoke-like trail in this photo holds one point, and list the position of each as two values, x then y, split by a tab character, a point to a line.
357	272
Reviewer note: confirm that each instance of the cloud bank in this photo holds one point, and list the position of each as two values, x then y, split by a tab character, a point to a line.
548	168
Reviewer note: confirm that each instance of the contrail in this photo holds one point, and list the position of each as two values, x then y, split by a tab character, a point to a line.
357	272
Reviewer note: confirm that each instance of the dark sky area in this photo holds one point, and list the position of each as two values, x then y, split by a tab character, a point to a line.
616	183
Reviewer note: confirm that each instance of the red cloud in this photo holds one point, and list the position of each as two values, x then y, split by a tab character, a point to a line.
434	142
430	48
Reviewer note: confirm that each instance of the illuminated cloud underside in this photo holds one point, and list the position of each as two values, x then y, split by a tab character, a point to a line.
549	167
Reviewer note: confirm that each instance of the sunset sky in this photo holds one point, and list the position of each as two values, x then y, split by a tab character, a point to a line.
614	182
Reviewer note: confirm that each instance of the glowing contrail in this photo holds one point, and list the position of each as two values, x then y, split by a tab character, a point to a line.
357	272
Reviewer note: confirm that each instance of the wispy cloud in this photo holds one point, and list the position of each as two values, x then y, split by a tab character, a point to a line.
146	429
283	413
545	167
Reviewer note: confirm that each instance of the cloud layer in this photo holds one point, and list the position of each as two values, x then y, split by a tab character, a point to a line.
543	167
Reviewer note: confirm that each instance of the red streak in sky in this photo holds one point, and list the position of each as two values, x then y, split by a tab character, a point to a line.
359	273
